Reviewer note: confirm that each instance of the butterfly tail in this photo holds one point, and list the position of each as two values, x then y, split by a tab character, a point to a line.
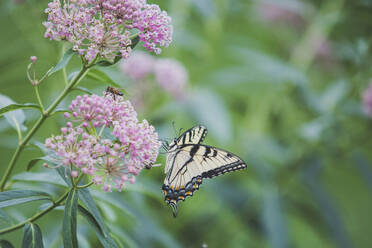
174	207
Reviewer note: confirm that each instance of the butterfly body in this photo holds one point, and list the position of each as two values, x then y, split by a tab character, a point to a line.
189	162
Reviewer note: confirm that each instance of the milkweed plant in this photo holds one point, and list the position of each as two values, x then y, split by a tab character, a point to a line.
103	142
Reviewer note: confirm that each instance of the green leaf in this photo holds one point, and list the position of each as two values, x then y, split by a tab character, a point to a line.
69	220
5	244
87	199
72	75
16	106
39	145
102	77
33	162
4	218
44	176
135	41
15	197
32	237
106	240
85	90
63	62
63	172
15	117
51	160
274	219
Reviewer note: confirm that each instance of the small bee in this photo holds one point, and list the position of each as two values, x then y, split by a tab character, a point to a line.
113	91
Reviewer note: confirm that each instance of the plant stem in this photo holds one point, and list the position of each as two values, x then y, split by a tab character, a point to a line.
36	216
38	98
84	186
40	121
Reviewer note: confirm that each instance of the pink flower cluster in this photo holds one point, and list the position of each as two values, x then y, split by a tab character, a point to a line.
170	74
367	100
128	145
103	27
138	66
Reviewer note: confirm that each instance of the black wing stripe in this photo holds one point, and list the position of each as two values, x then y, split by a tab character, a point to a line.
203	135
238	165
183	166
171	169
207	151
194	150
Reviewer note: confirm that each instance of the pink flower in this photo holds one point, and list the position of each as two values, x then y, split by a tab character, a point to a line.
155	28
111	161
171	75
103	27
138	65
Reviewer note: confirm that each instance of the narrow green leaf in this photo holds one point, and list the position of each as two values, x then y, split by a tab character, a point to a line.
106	240
5	244
63	62
33	162
32	237
44	176
15	197
4	218
69	220
63	172
16	106
46	158
102	77
135	41
15	117
39	145
87	199
85	90
72	75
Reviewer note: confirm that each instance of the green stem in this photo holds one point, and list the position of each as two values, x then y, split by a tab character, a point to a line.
36	216
40	121
84	186
38	97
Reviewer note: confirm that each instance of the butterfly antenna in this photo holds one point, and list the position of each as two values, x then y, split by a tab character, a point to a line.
174	127
180	131
174	208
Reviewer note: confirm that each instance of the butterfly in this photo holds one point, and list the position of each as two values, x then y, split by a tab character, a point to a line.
188	162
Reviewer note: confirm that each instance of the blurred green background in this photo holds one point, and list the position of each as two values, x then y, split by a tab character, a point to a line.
277	82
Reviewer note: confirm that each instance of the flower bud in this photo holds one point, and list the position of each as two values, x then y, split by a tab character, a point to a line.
33	59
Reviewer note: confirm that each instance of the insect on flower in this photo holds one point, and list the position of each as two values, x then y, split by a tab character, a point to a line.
113	91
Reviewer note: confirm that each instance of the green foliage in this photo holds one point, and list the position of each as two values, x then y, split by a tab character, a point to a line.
63	62
5	244
101	77
32	237
69	220
265	89
15	197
